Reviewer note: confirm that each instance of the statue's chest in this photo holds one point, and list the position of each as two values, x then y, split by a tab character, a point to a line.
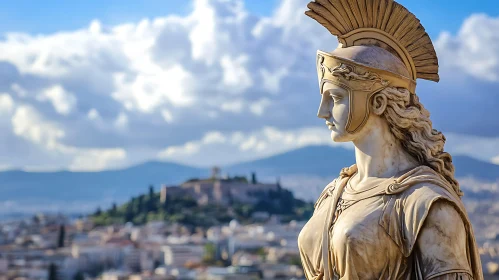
357	221
358	241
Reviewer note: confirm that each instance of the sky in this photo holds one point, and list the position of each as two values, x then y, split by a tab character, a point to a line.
94	85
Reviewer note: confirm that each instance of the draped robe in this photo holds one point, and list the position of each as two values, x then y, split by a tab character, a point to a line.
373	234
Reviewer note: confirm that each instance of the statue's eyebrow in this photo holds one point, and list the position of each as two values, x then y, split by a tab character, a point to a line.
335	91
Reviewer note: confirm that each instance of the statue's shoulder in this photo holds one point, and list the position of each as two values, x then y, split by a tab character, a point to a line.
408	205
422	194
421	185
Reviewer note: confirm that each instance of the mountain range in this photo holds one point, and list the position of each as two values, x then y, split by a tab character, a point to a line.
305	171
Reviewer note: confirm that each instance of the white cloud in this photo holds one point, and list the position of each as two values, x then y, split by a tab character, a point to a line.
193	147
62	101
145	92
238	106
252	143
203	34
272	80
483	148
234	106
95	27
93	114
198	70
235	75
121	121
214	137
167	115
258	107
475	49
214	24
6	103
5	167
97	159
188	148
21	92
218	148
166	82
29	124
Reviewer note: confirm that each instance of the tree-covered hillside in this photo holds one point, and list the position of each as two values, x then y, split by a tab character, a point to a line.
185	210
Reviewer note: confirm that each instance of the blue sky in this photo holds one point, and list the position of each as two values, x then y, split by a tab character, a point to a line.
34	16
93	85
51	16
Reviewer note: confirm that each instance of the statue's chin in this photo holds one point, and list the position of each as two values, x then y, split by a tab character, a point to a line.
339	137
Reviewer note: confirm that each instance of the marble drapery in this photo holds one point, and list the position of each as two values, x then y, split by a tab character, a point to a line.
375	234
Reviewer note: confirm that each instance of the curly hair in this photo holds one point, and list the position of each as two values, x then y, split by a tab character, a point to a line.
410	123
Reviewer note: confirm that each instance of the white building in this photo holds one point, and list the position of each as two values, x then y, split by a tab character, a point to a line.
179	255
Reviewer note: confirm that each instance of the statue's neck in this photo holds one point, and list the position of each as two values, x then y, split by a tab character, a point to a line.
379	154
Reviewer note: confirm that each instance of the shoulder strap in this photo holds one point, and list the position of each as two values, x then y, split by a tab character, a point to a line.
329	189
325	193
335	195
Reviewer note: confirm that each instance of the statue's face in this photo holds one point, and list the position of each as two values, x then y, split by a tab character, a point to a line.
334	109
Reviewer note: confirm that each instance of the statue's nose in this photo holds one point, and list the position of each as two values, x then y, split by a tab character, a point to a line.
324	112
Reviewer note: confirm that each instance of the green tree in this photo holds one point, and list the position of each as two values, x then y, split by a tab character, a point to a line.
129	215
156	264
294	260
151	200
140	204
185	210
209	256
61	236
52	272
253	178
230	198
79	276
114	209
151	192
262	253
287	202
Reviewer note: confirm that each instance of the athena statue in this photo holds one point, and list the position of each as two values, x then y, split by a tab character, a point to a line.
397	213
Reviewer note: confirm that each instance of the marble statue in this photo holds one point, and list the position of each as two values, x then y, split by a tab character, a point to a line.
397	213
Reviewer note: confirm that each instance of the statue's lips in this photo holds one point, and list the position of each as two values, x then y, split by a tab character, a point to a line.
329	125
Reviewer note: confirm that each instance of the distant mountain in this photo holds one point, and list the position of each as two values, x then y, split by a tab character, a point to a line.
313	160
305	171
327	161
22	191
470	167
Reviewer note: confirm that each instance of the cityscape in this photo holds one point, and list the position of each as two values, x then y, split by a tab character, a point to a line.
96	247
258	244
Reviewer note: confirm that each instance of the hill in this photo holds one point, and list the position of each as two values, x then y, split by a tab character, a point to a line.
305	171
184	209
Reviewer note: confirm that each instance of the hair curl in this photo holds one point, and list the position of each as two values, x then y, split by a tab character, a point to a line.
410	123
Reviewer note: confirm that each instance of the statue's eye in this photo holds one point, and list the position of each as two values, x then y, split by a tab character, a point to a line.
335	97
